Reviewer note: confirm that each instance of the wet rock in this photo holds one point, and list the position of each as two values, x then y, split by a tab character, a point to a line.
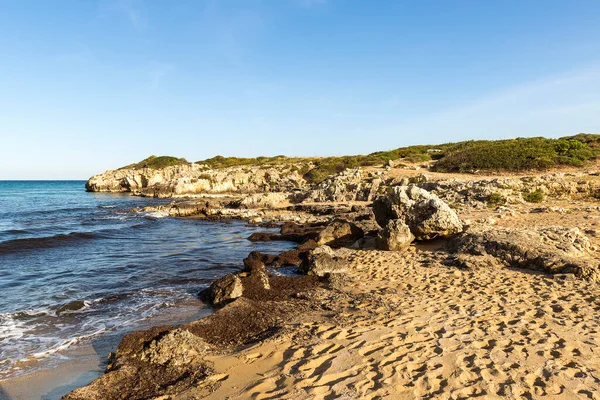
396	236
157	362
339	233
301	232
258	259
307	246
322	261
71	306
427	216
264	237
289	258
166	362
289	232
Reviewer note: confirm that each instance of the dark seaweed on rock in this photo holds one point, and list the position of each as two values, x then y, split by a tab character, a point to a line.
167	360
289	232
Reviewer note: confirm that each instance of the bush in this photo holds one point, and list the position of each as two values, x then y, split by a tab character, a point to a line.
514	155
496	199
417	157
534	196
483	155
155	162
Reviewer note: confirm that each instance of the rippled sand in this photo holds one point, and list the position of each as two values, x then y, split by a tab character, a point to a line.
423	330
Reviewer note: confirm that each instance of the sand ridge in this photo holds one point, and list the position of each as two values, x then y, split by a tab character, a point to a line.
427	331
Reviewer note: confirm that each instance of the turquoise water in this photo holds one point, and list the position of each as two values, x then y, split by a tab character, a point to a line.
76	265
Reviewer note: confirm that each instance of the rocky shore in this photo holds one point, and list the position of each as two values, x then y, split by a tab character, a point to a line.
405	285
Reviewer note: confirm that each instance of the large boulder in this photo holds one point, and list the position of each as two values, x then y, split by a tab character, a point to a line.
339	233
548	249
224	290
427	216
396	236
323	261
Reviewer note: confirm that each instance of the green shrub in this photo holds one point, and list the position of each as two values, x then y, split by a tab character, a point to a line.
495	199
417	157
534	196
155	162
514	155
482	155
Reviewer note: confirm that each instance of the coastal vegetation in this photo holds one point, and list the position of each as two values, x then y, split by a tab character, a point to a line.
155	162
534	196
514	155
496	199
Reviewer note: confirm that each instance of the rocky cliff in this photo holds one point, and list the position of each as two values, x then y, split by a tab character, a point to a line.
197	178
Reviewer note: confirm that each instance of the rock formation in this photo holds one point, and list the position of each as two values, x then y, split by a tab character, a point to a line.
339	233
195	178
348	185
225	289
427	216
395	236
322	261
548	249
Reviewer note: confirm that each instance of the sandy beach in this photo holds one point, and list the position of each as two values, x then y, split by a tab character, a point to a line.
508	308
419	330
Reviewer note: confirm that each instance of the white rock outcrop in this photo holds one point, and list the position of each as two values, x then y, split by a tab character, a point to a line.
427	216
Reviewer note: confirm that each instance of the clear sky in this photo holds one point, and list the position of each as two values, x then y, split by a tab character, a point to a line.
89	85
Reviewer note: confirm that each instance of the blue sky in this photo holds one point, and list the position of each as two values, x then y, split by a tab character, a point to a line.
90	85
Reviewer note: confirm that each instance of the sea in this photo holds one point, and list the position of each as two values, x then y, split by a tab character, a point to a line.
76	266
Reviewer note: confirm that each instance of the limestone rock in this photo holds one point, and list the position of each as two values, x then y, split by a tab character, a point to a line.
475	193
339	233
426	215
148	364
181	180
396	236
348	185
548	249
177	348
264	200
393	163
224	290
322	261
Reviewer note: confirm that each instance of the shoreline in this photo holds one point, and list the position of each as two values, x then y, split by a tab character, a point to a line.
421	322
84	362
